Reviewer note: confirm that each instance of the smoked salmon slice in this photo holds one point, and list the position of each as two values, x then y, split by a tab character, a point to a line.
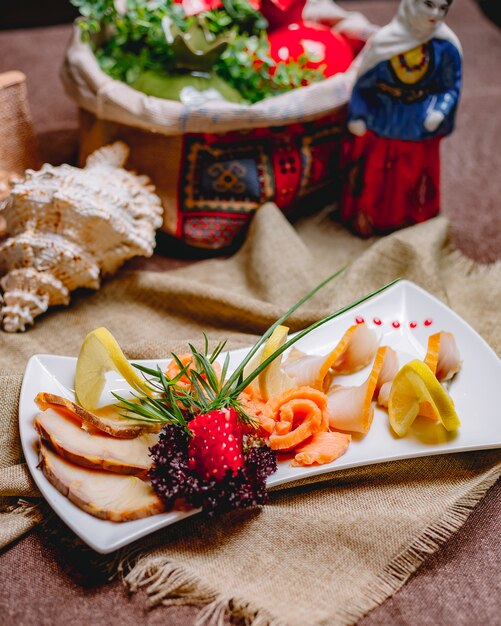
321	448
254	405
301	412
188	362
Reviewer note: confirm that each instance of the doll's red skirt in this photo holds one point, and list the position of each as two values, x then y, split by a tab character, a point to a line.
389	183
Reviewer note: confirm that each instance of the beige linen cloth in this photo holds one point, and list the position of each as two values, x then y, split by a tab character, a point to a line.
318	554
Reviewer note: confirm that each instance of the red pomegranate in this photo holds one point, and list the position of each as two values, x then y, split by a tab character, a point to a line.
319	43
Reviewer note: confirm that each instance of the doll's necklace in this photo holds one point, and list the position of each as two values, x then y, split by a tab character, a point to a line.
423	61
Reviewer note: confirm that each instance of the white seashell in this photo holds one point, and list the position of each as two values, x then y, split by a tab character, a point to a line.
27	294
69	227
114	155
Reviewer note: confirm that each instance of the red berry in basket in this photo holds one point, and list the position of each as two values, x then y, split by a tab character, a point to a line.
217	444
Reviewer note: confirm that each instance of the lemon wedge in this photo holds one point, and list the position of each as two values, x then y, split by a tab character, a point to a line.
414	386
273	380
99	354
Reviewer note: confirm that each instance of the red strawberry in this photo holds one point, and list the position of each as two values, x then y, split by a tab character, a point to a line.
217	444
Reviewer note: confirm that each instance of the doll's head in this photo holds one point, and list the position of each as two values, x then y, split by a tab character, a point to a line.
422	17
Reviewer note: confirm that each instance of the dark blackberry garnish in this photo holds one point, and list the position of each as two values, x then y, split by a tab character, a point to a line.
172	480
169	474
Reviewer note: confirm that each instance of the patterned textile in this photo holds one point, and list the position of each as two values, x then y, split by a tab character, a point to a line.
225	178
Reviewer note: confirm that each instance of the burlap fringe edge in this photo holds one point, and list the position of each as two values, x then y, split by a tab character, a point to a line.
170	584
27	509
470	266
400	569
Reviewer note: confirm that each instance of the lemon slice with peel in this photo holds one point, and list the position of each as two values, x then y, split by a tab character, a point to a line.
415	386
99	354
273	380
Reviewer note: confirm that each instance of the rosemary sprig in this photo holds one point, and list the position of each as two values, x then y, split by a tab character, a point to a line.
157	409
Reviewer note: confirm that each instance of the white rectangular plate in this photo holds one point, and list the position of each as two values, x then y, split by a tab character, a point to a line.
405	315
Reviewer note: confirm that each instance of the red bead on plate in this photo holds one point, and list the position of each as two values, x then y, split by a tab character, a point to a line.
413	324
377	321
359	320
428	322
395	324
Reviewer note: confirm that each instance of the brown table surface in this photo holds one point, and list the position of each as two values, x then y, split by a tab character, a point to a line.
460	584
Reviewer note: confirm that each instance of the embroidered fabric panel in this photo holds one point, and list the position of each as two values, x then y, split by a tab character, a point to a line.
225	178
213	231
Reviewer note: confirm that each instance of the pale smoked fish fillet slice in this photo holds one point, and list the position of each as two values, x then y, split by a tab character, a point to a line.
102	494
350	408
442	356
354	351
95	450
106	418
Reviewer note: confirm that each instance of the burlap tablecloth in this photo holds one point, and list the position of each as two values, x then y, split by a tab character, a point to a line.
323	553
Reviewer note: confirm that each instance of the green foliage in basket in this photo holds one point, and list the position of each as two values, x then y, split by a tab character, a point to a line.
247	65
132	43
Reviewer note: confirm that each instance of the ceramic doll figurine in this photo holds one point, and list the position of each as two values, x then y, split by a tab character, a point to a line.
404	101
